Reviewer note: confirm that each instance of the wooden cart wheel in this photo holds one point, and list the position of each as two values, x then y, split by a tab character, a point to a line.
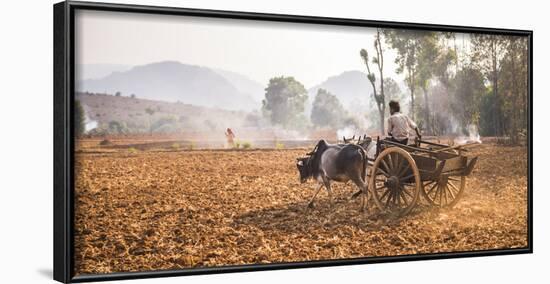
445	191
395	181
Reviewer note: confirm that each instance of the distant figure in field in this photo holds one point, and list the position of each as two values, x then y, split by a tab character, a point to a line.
230	136
399	125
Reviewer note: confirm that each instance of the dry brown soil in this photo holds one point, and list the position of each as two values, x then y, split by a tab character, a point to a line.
152	210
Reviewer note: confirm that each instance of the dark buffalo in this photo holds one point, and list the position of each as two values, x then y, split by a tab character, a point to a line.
334	162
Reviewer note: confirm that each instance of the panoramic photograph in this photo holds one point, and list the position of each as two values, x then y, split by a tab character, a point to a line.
210	142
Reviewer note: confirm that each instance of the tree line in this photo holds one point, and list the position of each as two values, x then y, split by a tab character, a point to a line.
485	85
284	105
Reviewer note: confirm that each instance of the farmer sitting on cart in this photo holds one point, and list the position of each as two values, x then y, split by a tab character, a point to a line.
399	124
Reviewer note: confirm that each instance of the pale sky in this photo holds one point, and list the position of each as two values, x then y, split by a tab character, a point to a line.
257	49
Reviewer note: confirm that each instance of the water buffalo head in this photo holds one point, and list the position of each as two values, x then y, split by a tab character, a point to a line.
303	168
365	142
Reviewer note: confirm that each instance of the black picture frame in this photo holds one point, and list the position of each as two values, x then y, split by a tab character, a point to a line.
64	79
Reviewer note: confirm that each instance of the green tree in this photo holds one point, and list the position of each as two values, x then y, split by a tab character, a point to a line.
422	56
79	119
327	110
392	90
468	90
284	102
513	83
488	52
166	124
117	127
427	54
447	58
445	69
488	110
407	44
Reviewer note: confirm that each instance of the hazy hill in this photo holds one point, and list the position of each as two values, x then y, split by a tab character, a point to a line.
174	82
349	87
97	71
244	84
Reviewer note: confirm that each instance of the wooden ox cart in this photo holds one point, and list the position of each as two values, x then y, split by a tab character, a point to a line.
399	174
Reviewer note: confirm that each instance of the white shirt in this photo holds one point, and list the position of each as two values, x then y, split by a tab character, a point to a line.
399	125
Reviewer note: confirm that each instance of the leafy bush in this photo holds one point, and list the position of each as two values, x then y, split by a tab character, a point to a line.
166	124
279	145
117	127
247	145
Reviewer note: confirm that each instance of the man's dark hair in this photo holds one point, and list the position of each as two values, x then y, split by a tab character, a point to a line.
394	105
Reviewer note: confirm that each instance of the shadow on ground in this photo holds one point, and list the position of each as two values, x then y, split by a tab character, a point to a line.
343	212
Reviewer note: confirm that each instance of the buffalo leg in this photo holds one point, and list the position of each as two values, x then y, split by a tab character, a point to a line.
364	200
310	204
326	182
362	191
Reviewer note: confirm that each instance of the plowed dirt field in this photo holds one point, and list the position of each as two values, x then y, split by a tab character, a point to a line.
168	209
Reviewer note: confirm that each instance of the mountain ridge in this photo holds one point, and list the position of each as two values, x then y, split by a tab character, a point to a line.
173	81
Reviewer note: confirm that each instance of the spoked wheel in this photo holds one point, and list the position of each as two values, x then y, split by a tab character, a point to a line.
444	191
395	181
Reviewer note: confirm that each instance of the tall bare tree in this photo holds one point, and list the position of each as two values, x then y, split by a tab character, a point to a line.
377	60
